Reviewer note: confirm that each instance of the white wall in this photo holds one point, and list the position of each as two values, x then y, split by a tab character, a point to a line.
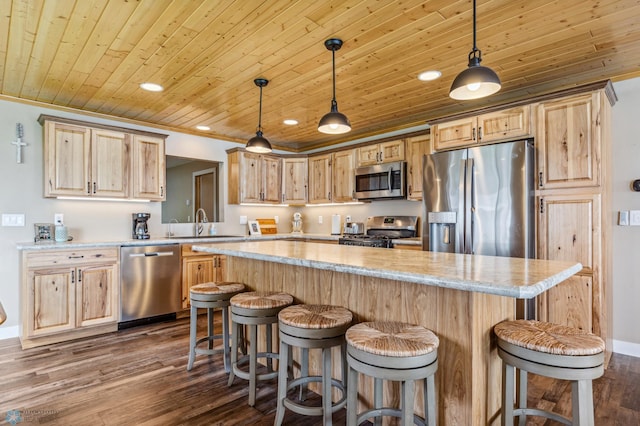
626	239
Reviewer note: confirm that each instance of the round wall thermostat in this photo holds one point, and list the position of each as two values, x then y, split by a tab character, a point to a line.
636	185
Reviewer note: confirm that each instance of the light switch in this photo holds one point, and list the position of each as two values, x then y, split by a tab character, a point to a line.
243	220
634	217
13	219
623	218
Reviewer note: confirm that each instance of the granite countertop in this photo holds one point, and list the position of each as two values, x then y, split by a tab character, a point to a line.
511	277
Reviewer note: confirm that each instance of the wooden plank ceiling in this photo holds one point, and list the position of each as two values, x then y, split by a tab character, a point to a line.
92	56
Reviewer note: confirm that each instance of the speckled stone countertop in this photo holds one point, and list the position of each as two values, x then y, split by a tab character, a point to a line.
503	276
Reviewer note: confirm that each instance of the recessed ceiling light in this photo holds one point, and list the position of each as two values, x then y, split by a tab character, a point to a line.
203	127
152	87
429	75
290	122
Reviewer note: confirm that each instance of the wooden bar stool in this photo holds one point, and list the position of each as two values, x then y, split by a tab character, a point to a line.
392	351
252	309
312	327
549	350
211	296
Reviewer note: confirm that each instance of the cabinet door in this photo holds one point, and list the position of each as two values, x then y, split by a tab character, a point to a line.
417	147
67	156
271	179
569	144
220	264
250	178
392	151
196	270
368	155
343	176
570	303
505	125
320	179
109	164
149	180
454	134
96	294
50	301
294	180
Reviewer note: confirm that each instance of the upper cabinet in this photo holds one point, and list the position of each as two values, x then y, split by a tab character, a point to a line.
320	178
254	178
569	142
491	127
343	176
294	180
385	152
83	160
417	148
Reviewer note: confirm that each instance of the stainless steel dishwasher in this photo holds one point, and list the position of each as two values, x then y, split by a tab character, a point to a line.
149	282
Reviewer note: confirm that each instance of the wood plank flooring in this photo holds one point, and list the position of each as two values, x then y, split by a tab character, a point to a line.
138	377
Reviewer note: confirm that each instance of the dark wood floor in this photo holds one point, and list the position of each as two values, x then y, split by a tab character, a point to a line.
138	377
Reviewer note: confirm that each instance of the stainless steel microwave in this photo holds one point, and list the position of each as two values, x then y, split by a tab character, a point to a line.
387	180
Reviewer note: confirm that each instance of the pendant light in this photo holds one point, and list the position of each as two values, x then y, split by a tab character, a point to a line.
259	143
334	122
476	81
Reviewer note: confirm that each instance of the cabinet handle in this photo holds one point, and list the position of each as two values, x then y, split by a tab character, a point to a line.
480	133
94	187
540	179
76	257
473	136
541	205
73	276
409	189
329	195
88	187
79	275
162	191
381	157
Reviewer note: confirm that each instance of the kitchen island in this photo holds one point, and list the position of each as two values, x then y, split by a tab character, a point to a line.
459	297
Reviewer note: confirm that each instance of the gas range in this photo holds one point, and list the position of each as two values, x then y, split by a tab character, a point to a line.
382	230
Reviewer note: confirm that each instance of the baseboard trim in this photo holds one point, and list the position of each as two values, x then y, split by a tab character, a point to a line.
9	332
626	348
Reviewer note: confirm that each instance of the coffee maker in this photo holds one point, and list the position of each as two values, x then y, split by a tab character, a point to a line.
140	230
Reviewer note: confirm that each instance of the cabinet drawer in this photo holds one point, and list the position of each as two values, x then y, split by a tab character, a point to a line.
71	257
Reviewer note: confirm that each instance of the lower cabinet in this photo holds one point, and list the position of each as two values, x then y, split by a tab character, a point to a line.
198	268
68	294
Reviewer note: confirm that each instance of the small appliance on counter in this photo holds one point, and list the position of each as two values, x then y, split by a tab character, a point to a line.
353	228
140	229
335	224
296	223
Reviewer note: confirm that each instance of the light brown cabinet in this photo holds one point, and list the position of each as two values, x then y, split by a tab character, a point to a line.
149	168
89	160
384	152
574	192
320	179
343	179
417	148
254	178
295	178
68	294
490	127
198	268
569	142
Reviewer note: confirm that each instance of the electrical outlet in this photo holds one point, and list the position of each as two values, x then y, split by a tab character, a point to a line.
623	218
276	219
58	218
634	217
320	220
348	218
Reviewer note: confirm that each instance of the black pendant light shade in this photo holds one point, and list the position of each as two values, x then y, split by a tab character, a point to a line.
334	122
476	81
259	143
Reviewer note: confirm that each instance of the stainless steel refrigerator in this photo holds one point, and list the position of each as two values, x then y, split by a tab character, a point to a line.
480	200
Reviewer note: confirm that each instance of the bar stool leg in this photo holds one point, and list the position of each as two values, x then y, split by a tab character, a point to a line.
352	397
225	338
377	399
234	350
210	326
269	361
326	386
304	372
522	398
253	355
193	324
407	403
430	400
284	361
508	383
582	402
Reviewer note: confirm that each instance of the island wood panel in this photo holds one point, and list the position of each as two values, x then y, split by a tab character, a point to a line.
469	375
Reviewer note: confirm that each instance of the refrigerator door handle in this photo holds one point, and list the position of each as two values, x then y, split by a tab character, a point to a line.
468	207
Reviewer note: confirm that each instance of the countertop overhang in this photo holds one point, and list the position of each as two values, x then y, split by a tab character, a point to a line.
502	276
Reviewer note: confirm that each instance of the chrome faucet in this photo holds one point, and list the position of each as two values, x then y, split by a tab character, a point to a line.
199	223
173	220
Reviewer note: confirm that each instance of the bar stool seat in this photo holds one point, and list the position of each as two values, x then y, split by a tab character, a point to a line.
211	296
312	327
252	309
549	350
390	350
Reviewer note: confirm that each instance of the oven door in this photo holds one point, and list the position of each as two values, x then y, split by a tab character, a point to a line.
381	181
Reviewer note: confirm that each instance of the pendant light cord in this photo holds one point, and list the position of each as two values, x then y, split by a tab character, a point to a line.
333	61
260	112
475	56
